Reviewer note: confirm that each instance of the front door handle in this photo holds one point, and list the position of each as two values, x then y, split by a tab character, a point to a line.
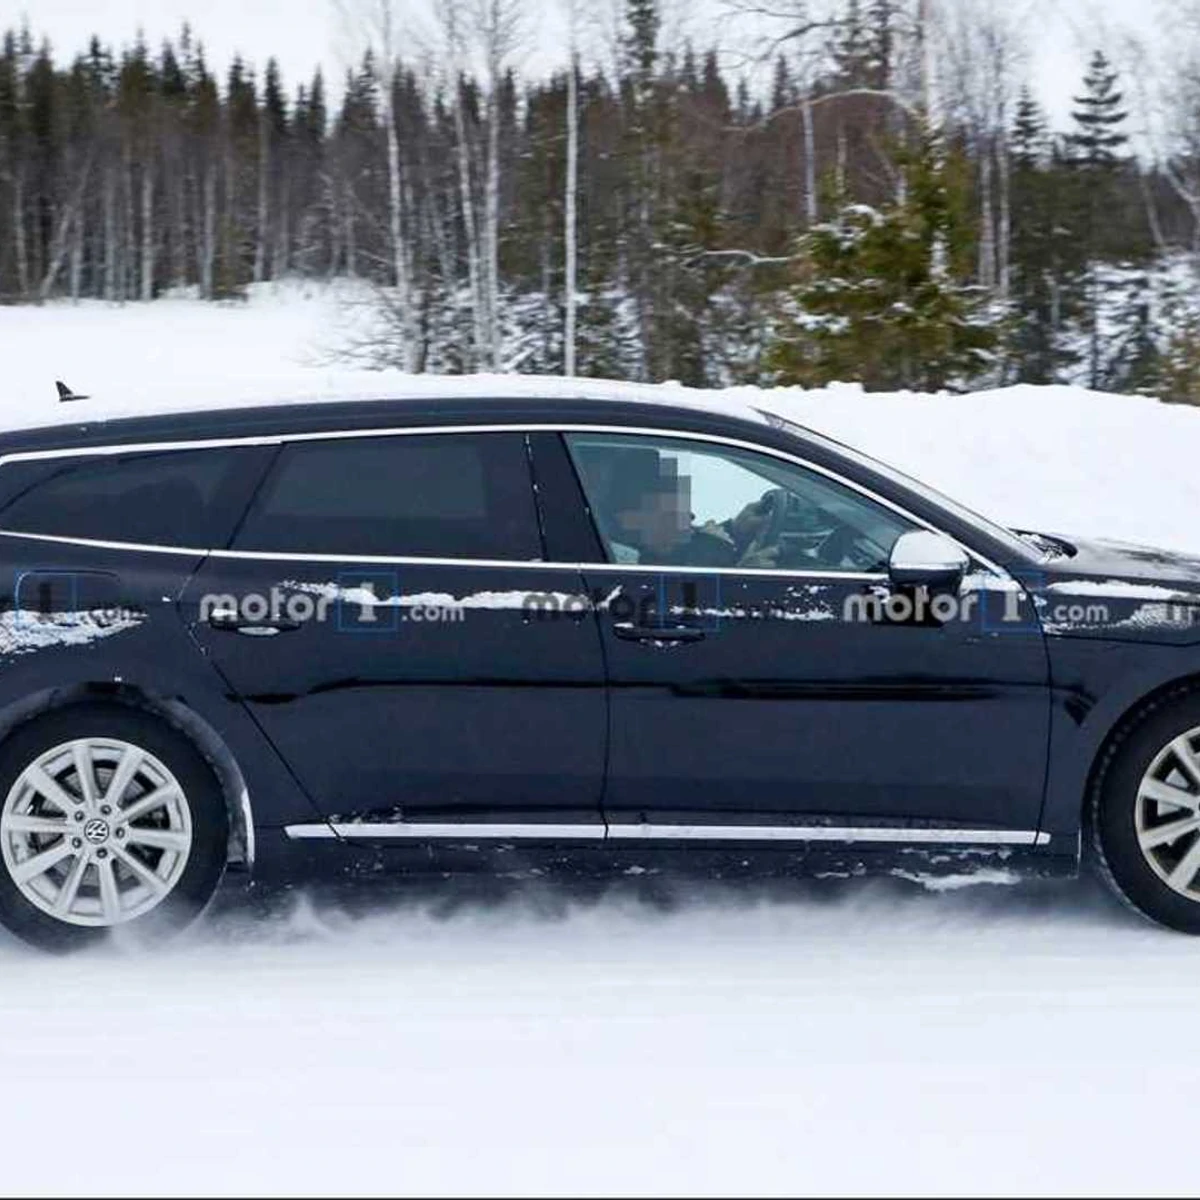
629	632
229	620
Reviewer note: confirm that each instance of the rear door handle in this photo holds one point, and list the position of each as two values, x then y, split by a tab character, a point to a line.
229	620
629	632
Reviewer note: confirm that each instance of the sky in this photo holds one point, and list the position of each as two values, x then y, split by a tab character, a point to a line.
303	33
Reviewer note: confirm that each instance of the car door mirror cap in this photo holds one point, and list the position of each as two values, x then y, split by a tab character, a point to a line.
924	558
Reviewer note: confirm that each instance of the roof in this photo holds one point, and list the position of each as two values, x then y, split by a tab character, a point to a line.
139	398
278	404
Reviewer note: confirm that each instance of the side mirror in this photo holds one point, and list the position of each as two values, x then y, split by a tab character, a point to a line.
924	559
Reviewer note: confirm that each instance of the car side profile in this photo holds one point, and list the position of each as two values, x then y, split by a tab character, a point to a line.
553	629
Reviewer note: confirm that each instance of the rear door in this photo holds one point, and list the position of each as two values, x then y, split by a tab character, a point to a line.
378	613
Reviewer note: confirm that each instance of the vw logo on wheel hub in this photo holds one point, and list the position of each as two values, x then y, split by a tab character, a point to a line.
96	831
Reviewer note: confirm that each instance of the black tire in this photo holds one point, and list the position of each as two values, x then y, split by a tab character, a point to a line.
1113	812
208	853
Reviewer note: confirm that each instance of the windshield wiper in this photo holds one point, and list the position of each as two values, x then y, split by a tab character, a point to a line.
1055	547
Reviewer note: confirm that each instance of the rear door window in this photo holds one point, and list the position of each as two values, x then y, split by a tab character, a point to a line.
416	495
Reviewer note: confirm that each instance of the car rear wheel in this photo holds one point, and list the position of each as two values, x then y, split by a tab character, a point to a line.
110	819
1145	822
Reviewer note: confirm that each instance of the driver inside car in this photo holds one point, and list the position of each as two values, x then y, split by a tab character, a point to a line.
653	519
654	522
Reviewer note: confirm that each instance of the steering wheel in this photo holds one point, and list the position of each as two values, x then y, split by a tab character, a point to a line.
835	549
774	507
776	504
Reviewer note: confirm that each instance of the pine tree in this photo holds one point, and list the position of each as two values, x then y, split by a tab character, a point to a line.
1179	367
640	43
1044	293
881	25
644	135
853	51
1136	364
137	105
11	157
240	175
356	139
47	137
783	90
880	299
81	119
204	148
270	255
311	242
1102	230
1099	118
173	92
15	155
693	221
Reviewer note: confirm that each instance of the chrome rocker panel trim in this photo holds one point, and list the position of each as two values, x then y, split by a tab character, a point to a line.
497	831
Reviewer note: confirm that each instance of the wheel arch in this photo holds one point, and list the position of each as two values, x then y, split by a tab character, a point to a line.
1127	720
180	716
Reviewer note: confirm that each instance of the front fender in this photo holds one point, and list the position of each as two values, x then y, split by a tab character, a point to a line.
1095	685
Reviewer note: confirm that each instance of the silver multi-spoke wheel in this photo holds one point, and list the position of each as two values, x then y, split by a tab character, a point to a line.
1168	814
96	832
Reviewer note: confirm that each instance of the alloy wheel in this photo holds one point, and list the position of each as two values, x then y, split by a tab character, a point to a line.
1167	817
96	832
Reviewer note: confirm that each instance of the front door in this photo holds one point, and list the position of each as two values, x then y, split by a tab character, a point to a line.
754	676
372	614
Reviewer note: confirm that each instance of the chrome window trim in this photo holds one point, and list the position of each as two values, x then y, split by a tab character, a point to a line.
369	560
509	427
536	565
16	456
96	544
599	831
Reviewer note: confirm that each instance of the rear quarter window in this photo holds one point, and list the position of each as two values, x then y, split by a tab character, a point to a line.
187	498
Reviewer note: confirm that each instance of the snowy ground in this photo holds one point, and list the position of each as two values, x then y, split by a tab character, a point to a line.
842	1037
846	1038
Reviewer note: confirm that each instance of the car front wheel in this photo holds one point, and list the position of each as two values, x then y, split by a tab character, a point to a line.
110	819
1145	818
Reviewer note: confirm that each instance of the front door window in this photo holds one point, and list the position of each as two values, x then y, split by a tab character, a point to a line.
672	503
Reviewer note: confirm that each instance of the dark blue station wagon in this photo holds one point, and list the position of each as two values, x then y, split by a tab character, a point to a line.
548	630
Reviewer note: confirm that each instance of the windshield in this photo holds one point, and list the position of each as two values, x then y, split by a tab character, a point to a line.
1019	545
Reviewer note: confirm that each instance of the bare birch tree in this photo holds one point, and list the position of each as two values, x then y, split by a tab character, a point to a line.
802	31
981	51
146	289
264	184
380	25
1171	108
499	25
571	199
451	19
68	220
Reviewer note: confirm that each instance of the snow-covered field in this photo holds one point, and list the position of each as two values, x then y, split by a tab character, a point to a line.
842	1037
1055	458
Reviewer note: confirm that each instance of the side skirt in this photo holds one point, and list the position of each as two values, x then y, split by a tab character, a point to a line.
286	859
